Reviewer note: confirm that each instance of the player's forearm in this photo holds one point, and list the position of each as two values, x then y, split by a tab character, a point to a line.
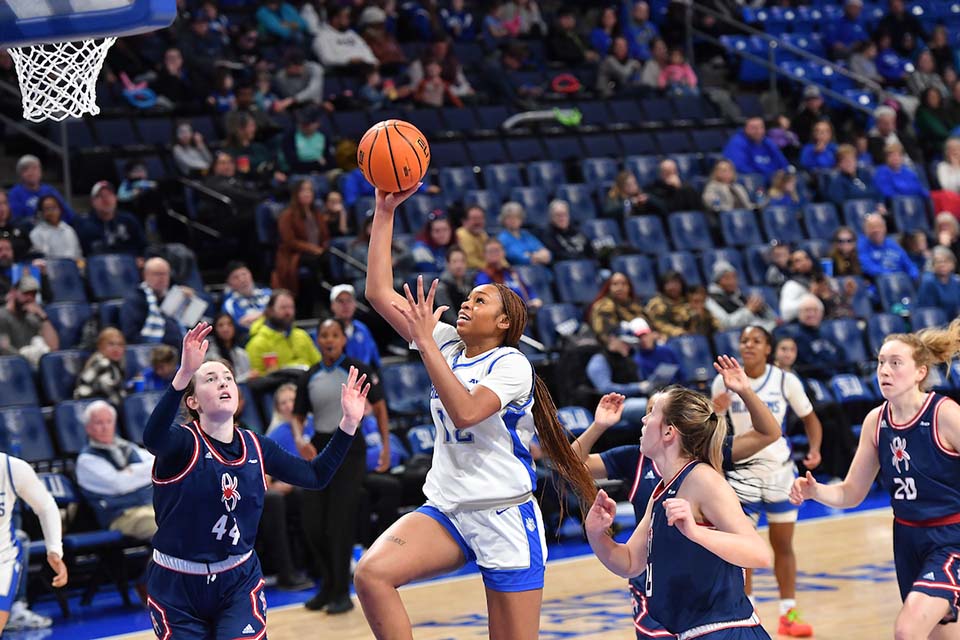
380	260
746	550
761	417
839	496
811	424
457	401
618	558
587	440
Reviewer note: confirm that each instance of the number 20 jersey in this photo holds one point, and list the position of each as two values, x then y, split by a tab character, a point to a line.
920	473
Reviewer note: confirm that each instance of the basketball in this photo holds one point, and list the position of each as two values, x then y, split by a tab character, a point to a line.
393	155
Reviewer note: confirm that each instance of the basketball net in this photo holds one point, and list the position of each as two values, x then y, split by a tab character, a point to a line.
59	80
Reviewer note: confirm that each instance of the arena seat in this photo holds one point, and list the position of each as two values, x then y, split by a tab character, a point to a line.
894	289
696	356
821	219
540	278
910	213
602	232
683	263
739	228
924	317
546	174
727	342
24	434
880	325
68	427
483	152
598	170
404	386
16	382
689	231
501	178
59	371
137	358
136	410
112	275
108	313
855	210
688	165
576	280
534	201
575	419
639	269
845	333
556	320
712	256
781	224
455	181
487	200
69	319
644	168
421	439
646	234
64	281
580	200
417	209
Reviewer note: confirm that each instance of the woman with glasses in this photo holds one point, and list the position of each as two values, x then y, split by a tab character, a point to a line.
846	261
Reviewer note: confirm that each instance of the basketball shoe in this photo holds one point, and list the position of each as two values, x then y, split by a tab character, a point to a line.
792	626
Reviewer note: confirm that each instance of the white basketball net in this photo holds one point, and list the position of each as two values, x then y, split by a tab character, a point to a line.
58	81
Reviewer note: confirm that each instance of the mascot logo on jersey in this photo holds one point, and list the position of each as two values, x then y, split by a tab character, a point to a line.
899	448
229	494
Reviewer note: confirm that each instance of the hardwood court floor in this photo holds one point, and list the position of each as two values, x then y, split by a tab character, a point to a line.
846	589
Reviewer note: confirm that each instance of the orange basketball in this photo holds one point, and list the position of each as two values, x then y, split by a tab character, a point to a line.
393	155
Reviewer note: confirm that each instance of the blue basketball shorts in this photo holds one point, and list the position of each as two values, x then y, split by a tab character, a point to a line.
220	606
928	561
507	543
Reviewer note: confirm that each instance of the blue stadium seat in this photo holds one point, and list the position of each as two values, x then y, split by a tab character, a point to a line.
555	320
625	111
492	116
895	288
696	356
910	213
603	233
643	167
848	388
689	231
546	174
855	210
416	210
688	165
576	280
846	334
657	110
534	201
880	325
525	149
539	278
821	219
756	262
421	438
565	148
155	131
598	170
455	181
250	416
64	281
580	199
502	178
486	199
709	140
646	234
676	141
727	342
16	382
594	112
447	153
602	144
712	256
108	313
457	119
640	271
58	373
739	228
781	224
769	295
427	120
137	358
405	386
137	408
112	275
575	419
682	262
817	249
924	317
24	434
114	132
69	318
68	427
485	151
638	143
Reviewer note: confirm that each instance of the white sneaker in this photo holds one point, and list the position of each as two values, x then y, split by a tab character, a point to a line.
22	618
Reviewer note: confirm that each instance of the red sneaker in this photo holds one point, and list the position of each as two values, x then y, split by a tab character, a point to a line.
791	625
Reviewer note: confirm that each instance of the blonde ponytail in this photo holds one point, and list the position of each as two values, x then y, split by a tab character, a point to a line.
931	346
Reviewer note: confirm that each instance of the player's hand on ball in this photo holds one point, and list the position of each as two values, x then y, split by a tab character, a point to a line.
601	514
390	201
59	570
804	488
680	515
353	400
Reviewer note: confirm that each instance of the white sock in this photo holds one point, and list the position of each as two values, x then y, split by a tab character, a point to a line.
786	604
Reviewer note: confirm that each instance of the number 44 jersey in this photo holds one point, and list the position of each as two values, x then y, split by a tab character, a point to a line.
916	467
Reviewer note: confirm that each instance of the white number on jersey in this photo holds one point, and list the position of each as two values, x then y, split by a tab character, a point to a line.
220	528
906	489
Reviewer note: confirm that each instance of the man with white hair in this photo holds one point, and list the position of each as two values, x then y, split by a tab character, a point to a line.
115	475
817	354
879	254
27	193
885	132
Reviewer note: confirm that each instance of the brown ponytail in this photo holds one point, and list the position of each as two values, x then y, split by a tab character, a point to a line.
701	429
931	346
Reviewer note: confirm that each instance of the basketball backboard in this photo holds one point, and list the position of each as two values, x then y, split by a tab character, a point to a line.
28	22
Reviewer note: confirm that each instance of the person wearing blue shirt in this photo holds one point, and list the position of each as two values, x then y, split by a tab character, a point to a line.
850	182
458	22
601	37
23	197
430	249
243	300
842	35
497	270
639	31
879	254
281	21
360	343
942	287
521	246
751	151
107	229
897	179
821	152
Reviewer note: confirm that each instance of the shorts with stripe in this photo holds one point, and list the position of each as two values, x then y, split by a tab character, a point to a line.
643	623
507	543
765	487
928	561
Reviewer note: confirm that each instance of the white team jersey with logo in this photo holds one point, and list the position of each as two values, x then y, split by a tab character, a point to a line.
8	500
487	464
779	390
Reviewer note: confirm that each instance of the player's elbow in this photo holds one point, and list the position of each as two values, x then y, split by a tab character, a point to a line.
762	557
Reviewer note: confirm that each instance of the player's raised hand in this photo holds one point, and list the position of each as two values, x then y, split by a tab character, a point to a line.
734	377
353	400
59	570
609	410
388	202
419	313
601	514
680	515
804	488
191	357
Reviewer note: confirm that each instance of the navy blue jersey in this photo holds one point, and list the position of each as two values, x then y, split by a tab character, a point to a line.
211	509
688	586
920	473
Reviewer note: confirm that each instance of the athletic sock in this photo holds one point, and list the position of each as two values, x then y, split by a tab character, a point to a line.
786	604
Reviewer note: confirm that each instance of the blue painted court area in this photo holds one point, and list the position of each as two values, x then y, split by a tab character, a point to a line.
108	617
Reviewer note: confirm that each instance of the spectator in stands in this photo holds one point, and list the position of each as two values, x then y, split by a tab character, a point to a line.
339	220
918	249
904	29
722	191
669	189
607	30
526	15
141	316
639	30
265	96
202	49
678	77
384	45
103	374
190	152
472	236
51	236
864	61
306	149
514	56
941	286
456	283
948	169
885	132
254	160
562	238
618	73
939	47
895	178
880	254
751	151
780	132
115	476
565	45
432	243
658	61
23	197
844	34
173	85
157	375
136	185
338	46
668	311
224	345
302	251
802	272
497	270
243	300
615	305
25	328
275	343
358	249
625	198
649	357
243	193
222	98
360	343
700	320
458	21
783	191
14	233
495	30
932	121
843	253
433	90
108	229
837	301
280	22
850	182
521	246
820	153
778	265
925	76
451	71
246	102
372	93
891	66
7	277
818	355
300	80
946	233
731	308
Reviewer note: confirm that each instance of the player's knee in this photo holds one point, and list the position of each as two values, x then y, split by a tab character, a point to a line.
370	574
907	627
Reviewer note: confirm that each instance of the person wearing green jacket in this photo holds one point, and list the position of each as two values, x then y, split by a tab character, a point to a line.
275	343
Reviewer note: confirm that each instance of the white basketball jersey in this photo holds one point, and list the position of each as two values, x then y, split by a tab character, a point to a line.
8	500
779	390
488	464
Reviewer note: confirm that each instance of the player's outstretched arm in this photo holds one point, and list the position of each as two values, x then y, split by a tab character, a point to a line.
626	560
608	413
765	430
